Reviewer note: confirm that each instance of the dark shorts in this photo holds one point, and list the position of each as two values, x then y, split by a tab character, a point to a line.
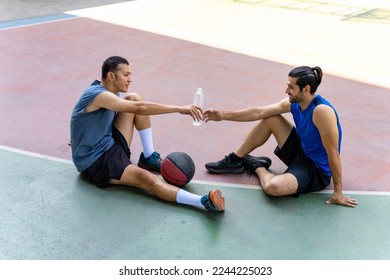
111	164
310	178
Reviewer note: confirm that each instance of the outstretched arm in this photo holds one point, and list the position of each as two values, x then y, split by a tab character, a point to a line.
248	114
325	120
112	102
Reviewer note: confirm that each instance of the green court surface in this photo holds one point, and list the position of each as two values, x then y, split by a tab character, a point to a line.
49	213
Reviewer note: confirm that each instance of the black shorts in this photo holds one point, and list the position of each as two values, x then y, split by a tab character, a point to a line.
310	178
111	164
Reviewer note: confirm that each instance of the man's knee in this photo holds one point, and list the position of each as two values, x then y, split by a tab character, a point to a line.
149	180
145	177
277	187
274	120
134	96
272	189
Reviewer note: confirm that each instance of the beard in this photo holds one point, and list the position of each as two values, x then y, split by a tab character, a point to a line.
297	98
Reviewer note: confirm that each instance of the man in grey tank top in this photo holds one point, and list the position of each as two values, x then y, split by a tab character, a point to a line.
102	127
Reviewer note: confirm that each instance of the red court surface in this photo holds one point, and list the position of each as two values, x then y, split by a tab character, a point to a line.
47	66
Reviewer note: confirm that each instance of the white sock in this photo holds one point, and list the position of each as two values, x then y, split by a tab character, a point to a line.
188	198
147	141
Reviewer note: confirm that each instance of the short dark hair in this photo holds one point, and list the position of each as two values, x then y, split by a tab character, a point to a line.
111	65
306	75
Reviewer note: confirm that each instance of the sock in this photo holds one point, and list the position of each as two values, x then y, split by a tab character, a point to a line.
184	197
147	141
234	157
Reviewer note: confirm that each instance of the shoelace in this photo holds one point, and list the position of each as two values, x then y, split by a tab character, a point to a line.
155	155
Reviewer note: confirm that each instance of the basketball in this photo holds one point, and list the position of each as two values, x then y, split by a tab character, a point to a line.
177	169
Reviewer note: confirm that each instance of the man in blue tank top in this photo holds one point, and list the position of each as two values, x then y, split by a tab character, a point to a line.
310	149
102	127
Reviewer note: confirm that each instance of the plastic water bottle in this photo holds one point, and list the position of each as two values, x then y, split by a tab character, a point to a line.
198	101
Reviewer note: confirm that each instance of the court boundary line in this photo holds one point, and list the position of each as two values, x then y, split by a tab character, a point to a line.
233	185
221	184
37	155
14	24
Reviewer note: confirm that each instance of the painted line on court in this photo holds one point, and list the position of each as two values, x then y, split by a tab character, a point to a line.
35	155
35	21
260	31
224	184
232	185
220	184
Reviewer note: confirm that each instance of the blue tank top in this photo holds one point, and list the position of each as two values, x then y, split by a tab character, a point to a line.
91	133
309	134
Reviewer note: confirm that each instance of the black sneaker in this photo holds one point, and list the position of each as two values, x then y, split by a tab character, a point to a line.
251	163
226	165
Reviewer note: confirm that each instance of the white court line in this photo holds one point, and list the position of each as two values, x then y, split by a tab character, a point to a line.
352	50
35	155
221	184
232	185
34	21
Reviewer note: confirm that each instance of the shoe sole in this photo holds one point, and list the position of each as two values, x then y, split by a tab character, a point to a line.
218	200
148	167
264	162
224	171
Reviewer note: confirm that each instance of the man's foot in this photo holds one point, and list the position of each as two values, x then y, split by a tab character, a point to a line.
153	162
251	163
214	201
226	165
